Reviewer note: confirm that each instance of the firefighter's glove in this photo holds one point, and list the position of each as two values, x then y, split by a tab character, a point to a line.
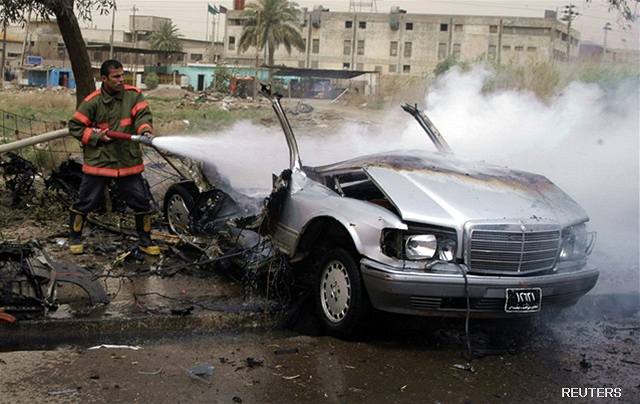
102	133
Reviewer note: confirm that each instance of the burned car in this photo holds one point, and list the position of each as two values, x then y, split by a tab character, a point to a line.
425	233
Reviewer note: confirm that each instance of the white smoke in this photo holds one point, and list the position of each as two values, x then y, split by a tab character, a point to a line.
585	139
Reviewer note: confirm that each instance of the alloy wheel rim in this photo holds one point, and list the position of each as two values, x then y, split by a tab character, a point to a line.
178	215
335	291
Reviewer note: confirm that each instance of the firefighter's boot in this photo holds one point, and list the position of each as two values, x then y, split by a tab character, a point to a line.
76	224
143	227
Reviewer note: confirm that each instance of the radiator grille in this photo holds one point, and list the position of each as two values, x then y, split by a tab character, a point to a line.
511	251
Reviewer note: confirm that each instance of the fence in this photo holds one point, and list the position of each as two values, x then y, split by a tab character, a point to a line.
45	156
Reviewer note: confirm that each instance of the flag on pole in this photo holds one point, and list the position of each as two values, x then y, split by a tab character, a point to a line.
212	9
223	9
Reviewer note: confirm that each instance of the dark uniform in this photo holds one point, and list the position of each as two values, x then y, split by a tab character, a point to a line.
126	111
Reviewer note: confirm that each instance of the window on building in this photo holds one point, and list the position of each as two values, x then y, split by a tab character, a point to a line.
456	50
407	49
506	48
315	46
531	49
232	43
314	64
491	54
195	57
408	26
362	24
348	24
347	47
361	47
444	27
346	65
493	29
442	51
518	48
180	57
564	36
393	48
304	42
392	68
457	28
406	68
301	63
359	66
378	69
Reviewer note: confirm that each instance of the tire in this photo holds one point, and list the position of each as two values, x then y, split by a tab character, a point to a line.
340	298
179	203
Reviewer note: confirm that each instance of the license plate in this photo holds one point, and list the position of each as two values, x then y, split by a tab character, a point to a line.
523	300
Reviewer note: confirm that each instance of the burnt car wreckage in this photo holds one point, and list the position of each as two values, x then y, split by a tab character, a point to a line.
423	233
412	232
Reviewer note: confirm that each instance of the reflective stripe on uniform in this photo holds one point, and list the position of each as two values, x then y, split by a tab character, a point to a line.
82	118
142	128
92	95
139	107
124	122
112	172
86	135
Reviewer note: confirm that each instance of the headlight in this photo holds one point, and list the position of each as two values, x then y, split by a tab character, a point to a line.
420	247
577	243
420	243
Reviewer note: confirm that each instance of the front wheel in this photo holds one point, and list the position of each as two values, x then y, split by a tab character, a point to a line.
179	203
341	300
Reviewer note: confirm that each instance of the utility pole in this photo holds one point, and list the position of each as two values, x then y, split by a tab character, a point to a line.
606	28
135	45
26	38
255	82
569	14
4	51
113	22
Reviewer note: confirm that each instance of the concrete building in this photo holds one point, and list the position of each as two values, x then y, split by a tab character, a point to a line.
413	44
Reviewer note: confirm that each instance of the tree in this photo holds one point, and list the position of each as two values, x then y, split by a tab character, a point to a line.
166	39
64	12
269	24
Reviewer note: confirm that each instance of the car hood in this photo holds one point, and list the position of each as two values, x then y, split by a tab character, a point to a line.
442	190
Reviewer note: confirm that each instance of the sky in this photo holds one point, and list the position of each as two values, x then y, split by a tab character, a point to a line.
190	16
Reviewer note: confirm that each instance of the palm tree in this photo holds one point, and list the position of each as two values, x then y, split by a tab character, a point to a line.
271	23
166	38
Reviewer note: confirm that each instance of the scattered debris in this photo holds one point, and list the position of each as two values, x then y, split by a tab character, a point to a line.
584	364
201	372
284	351
29	278
63	392
466	366
18	174
155	372
630	362
236	399
109	346
403	388
254	362
290	377
182	312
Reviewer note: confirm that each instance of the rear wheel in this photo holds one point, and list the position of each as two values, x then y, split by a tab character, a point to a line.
341	300
179	203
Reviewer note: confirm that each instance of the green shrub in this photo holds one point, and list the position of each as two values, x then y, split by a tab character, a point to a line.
151	80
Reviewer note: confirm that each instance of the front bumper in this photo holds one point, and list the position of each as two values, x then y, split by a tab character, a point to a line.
426	293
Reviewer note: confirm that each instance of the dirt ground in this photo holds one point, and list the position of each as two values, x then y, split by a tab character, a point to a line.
400	360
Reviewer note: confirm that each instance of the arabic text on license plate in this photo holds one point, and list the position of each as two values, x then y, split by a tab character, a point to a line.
523	300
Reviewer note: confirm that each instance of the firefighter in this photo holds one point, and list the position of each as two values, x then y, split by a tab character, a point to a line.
118	107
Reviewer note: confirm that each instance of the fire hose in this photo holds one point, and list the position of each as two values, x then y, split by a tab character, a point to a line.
146	140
